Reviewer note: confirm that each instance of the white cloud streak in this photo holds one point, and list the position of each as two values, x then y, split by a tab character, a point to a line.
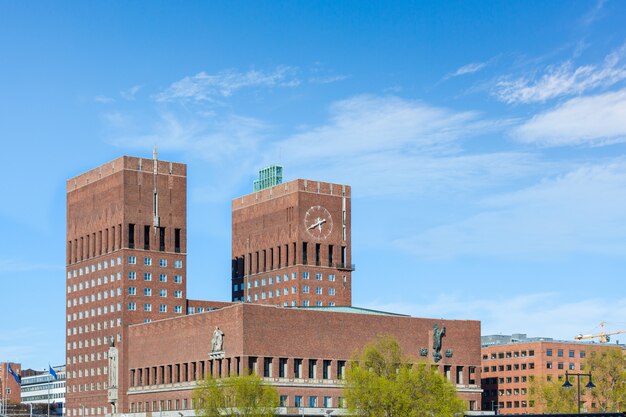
129	95
595	120
207	87
581	212
467	69
563	80
537	314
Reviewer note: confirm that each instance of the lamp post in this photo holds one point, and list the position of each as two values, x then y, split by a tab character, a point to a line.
567	384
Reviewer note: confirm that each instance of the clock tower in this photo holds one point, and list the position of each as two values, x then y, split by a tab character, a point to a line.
291	245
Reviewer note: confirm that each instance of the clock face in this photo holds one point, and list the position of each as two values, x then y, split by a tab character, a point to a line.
318	222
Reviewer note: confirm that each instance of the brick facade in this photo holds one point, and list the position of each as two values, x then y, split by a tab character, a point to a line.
509	368
282	234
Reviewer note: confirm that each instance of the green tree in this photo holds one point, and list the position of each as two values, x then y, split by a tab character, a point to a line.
550	397
382	382
246	396
608	367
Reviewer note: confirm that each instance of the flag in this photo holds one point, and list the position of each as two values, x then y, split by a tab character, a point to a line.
18	379
52	372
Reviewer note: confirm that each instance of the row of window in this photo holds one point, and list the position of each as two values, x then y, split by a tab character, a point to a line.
510	354
94	282
147	276
509	367
99	311
78	344
147	292
147	307
147	261
105	324
99	266
571	353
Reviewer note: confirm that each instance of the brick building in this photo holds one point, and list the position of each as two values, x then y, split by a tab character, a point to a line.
10	390
300	229
509	363
126	251
135	341
302	351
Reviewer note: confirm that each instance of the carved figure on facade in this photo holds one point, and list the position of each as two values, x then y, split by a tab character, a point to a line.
217	341
438	333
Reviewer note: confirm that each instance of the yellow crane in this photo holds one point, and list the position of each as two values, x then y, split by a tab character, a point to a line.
604	337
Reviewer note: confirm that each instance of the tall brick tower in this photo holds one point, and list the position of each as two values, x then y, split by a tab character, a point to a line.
291	244
126	263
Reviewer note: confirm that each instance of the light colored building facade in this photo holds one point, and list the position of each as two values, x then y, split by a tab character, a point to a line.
44	388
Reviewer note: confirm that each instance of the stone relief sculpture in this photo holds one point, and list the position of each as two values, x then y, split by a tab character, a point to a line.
437	335
113	367
217	341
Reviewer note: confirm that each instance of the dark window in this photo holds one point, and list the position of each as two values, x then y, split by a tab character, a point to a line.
560	352
146	237
304	253
312	364
282	368
344	256
177	240
318	248
341	369
297	368
271	259
549	352
326	370
330	255
162	239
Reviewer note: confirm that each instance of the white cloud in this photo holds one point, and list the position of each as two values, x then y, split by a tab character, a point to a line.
104	99
594	120
563	80
327	79
536	314
207	87
388	145
582	212
129	94
467	69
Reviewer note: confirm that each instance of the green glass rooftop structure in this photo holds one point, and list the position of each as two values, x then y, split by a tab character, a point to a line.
269	177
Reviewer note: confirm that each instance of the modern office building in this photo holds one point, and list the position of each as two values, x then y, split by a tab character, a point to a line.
41	387
136	344
291	245
509	363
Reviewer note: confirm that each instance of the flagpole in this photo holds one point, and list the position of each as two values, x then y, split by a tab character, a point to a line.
49	383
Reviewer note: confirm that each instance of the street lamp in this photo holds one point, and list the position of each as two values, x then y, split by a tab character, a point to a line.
567	384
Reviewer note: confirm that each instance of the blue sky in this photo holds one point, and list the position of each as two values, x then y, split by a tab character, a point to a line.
484	142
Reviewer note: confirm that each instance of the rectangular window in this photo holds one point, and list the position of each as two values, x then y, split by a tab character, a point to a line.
177	240
297	401
560	353
341	369
331	277
283	401
312	401
331	291
282	367
330	255
312	368
147	261
162	239
132	291
162	263
305	289
147	307
131	236
132	275
147	292
178	294
147	276
304	253
162	277
297	368
318	248
132	260
178	309
178	279
267	367
163	293
305	275
178	264
571	353
162	308
146	237
326	369
318	276
132	306
549	352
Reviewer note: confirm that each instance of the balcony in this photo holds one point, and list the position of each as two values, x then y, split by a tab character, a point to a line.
345	266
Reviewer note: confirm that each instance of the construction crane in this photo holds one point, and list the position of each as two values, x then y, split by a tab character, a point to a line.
604	337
